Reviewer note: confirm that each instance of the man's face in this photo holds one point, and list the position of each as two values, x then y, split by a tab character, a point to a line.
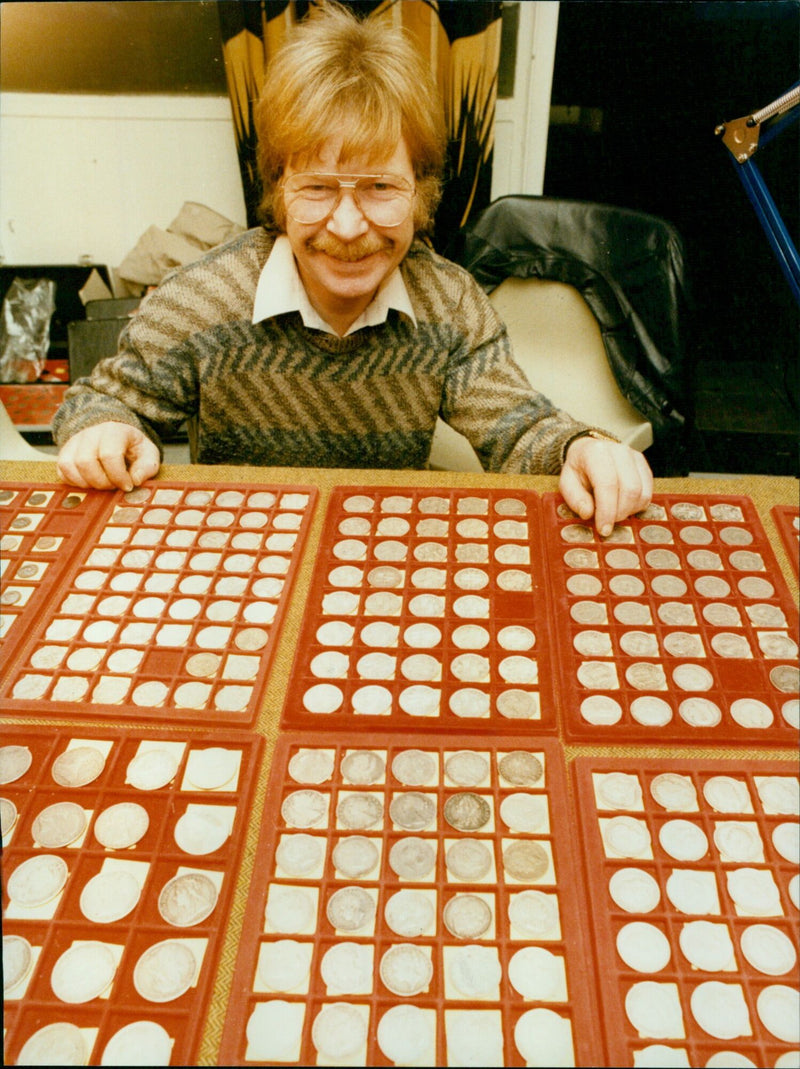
344	259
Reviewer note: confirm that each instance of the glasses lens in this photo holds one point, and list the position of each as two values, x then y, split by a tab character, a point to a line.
384	200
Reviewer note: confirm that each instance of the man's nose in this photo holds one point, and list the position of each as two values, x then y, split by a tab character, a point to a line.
346	220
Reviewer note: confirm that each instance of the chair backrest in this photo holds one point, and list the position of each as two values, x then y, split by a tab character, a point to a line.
628	267
558	344
12	445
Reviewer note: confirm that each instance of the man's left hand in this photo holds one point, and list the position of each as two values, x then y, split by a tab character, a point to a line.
605	480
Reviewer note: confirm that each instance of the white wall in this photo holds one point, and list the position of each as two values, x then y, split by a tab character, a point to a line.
522	121
84	176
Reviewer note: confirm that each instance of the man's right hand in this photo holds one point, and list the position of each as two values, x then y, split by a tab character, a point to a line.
108	455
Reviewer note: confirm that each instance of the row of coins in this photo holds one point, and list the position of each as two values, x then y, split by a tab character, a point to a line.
153	766
406	1034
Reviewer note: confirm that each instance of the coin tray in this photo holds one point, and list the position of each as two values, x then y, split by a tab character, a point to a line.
289	909
42	531
787	520
661	884
58	924
167	602
678	627
427	604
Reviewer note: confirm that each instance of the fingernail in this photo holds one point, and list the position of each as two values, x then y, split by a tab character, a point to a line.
606	531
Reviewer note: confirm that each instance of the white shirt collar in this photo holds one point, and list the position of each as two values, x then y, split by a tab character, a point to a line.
280	289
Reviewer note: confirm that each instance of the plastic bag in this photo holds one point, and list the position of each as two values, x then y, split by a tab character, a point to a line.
25	328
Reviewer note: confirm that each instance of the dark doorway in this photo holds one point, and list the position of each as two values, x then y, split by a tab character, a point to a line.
639	87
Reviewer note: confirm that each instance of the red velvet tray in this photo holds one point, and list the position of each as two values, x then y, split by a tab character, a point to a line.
185	804
347	829
427	606
679	627
166	601
692	876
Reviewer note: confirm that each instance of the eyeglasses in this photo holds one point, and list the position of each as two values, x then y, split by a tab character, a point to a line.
383	199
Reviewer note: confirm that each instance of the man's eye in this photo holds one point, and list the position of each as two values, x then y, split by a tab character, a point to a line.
314	188
382	187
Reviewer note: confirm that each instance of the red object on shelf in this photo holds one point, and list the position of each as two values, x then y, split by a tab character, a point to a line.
32	404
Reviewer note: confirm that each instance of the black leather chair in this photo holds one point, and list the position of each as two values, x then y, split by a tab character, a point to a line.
595	300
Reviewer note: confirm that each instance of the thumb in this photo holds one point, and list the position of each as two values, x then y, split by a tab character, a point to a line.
145	461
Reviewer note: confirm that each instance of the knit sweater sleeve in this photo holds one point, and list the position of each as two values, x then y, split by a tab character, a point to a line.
153	381
487	397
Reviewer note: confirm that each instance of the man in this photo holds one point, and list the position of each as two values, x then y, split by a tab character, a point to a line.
334	335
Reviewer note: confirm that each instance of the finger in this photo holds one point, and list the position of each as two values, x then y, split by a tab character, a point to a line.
93	473
68	471
575	492
606	503
146	462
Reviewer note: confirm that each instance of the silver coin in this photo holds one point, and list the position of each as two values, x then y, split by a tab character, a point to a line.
304	809
584	586
17	960
580	559
8	816
526	861
414	768
785	678
350	909
467	811
311	766
533	913
406	969
467	916
360	811
696	536
521	768
59	1043
14	762
109	896
668	586
577	532
299	855
37	880
518	704
655	534
165	971
59	825
151	770
673	791
410	913
363	767
746	561
339	1031
187	899
412	858
468	859
83	972
663	559
412	810
355	856
121	825
466	768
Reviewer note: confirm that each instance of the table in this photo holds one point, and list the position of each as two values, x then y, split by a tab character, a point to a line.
765	492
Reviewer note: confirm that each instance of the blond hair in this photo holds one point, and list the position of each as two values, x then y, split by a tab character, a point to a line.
358	79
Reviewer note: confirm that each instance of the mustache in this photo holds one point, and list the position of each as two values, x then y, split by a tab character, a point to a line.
349	251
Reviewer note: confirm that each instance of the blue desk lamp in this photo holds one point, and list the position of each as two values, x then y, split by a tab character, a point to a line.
743	137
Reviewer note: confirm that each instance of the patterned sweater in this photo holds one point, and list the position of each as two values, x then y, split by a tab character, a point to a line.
276	393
